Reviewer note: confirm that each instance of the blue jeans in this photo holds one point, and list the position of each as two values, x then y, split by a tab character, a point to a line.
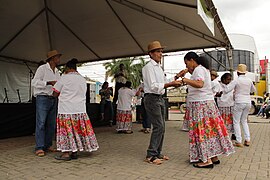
261	111
46	112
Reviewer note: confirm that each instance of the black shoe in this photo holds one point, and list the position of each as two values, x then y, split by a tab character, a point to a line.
206	166
128	132
216	162
233	137
74	156
62	158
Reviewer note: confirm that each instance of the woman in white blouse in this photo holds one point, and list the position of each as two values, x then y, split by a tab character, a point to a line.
74	129
124	113
225	104
208	137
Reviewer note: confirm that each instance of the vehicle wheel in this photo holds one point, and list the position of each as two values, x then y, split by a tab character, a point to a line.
252	110
183	108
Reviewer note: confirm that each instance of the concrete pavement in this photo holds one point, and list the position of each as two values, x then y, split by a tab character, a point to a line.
121	157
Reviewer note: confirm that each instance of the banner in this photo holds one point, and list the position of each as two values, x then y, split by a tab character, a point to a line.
206	15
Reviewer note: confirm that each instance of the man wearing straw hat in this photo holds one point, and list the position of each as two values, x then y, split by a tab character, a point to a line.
154	87
46	105
242	87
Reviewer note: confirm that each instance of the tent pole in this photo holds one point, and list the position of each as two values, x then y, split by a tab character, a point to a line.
230	59
118	17
48	24
69	29
225	67
21	30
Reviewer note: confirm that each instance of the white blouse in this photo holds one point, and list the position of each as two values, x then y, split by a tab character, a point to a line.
226	99
204	93
72	89
125	96
242	87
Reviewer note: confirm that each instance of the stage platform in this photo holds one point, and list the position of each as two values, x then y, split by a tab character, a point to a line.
18	119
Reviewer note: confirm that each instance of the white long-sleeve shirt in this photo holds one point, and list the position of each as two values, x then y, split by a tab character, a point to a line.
153	78
125	98
44	74
226	99
242	87
215	86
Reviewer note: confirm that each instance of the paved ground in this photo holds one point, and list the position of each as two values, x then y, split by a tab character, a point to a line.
121	157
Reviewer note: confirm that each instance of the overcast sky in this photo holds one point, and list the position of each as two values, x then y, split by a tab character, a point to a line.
250	17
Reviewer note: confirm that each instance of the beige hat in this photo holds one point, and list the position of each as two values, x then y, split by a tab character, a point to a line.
242	68
214	73
51	54
155	45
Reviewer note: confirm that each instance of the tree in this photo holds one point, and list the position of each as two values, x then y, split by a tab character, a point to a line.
133	66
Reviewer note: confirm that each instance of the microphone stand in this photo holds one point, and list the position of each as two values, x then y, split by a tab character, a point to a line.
18	92
31	76
6	97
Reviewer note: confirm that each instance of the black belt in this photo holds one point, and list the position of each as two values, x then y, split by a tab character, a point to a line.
152	94
47	96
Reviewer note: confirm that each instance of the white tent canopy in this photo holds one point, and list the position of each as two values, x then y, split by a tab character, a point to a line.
94	30
102	29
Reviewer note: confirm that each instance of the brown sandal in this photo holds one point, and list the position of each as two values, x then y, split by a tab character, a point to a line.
40	153
153	160
163	157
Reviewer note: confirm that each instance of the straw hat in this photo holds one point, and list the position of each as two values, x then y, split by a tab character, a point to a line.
242	68
214	73
51	54
155	45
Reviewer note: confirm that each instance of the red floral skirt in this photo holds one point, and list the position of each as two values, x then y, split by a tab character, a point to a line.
75	133
123	120
208	136
226	114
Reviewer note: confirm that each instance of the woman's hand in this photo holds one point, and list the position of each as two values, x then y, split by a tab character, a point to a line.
181	74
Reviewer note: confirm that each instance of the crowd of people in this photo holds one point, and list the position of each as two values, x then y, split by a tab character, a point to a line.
213	115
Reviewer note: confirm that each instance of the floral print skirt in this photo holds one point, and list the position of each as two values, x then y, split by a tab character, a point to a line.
75	133
226	114
185	125
123	120
208	136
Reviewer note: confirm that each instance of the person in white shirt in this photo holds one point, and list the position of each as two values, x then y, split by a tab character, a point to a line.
74	129
215	84
208	137
46	105
124	113
242	87
155	83
225	104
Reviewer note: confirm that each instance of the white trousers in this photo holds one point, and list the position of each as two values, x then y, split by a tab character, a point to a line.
240	114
